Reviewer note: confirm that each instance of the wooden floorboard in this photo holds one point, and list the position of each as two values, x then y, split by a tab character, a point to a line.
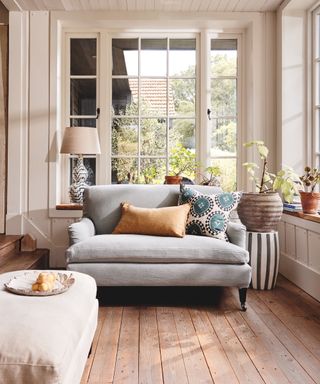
277	341
150	370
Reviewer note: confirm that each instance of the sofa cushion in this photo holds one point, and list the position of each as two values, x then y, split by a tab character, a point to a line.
152	249
166	221
209	214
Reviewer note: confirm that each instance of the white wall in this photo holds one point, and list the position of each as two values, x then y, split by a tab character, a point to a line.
33	176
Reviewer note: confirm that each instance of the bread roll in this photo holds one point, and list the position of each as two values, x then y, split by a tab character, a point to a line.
45	281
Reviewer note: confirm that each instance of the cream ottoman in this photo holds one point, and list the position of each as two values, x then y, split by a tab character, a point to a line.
46	339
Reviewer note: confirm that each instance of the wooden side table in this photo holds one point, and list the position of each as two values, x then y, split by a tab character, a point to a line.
264	254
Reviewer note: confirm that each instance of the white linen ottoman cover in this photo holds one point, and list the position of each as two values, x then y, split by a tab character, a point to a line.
46	339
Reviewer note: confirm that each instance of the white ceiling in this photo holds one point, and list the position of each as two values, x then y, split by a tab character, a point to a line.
144	5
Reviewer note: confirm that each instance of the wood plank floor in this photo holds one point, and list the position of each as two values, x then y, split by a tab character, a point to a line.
276	341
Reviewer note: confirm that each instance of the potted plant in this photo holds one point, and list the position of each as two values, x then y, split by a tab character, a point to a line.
182	162
309	197
214	173
260	211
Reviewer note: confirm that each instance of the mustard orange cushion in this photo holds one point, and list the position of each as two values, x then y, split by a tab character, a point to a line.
166	221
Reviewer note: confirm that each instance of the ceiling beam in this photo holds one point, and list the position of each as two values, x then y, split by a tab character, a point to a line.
12	5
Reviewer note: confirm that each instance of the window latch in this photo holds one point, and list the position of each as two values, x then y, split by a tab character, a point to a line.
98	113
209	113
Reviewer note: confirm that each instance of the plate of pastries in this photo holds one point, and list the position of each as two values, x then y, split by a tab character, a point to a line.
37	283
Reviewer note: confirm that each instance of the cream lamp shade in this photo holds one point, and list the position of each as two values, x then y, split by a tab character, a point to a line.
80	141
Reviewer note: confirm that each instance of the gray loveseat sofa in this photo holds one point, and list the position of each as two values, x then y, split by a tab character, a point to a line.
141	260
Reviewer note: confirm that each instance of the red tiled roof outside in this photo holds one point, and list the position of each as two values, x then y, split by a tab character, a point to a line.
153	94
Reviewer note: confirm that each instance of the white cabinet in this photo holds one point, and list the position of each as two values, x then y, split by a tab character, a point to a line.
302	245
300	252
314	250
290	246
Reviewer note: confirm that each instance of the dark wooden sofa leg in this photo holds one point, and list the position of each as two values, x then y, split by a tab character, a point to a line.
243	297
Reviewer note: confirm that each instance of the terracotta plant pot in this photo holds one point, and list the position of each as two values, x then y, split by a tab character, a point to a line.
260	212
310	202
173	179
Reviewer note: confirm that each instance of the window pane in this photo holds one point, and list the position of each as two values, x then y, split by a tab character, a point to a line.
223	97
83	56
317	36
317	135
223	57
223	137
182	95
90	164
153	137
124	170
125	97
182	131
153	97
125	136
125	57
83	122
182	57
153	57
152	171
83	97
228	169
317	81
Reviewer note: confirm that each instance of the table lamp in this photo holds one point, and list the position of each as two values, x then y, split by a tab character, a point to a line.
79	141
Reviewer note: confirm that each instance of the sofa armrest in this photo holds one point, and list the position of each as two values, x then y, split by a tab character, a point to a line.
237	234
81	230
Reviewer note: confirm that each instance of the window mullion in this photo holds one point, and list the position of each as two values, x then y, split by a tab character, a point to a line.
139	107
167	117
204	100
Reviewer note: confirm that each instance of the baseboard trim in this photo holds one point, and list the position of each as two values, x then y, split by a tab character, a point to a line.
301	275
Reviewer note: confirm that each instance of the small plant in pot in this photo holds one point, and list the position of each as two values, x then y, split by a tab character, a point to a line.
182	162
213	179
260	211
310	199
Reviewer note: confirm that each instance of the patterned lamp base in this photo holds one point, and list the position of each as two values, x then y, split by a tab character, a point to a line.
79	177
264	253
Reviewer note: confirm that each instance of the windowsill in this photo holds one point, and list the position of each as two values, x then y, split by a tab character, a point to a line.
305	216
69	207
66	211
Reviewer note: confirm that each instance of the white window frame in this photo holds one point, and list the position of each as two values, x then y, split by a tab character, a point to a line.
104	94
65	101
168	36
315	132
238	117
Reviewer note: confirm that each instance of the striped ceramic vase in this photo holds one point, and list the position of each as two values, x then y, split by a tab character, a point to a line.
264	253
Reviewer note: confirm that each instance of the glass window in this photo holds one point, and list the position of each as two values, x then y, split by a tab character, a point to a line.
125	57
153	102
224	119
153	106
83	56
82	104
316	90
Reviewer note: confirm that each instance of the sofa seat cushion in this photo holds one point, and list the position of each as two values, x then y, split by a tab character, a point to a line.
154	249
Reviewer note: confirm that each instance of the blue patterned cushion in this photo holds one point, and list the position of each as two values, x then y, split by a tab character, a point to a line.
209	214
